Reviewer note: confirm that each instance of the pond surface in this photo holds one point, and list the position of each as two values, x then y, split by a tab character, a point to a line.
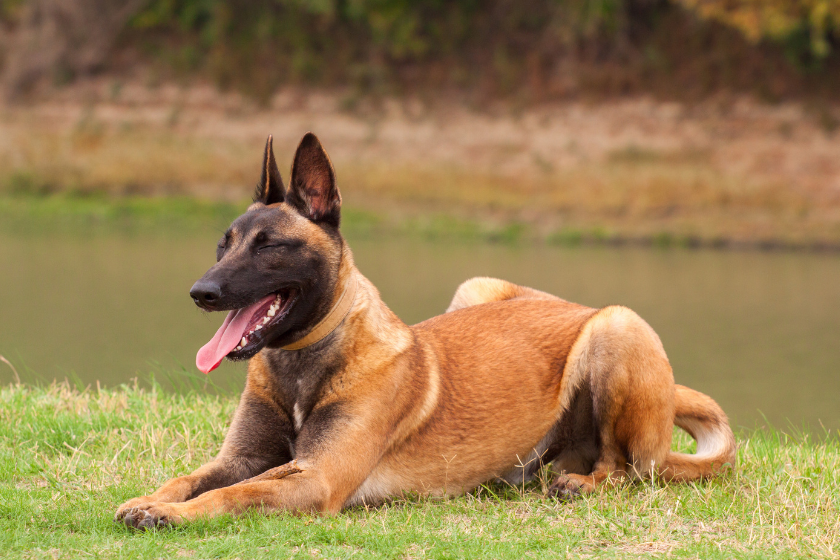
759	332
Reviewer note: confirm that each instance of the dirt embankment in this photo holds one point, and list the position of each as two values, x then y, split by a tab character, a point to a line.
724	169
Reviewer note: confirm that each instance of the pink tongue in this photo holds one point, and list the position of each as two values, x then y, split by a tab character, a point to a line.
227	337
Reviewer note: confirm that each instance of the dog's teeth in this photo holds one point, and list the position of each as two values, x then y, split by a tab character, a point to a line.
244	341
258	327
271	313
267	319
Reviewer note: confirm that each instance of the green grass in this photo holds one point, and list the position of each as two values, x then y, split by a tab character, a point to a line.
30	215
73	213
70	456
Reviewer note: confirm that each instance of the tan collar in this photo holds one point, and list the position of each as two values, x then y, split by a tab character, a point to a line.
334	318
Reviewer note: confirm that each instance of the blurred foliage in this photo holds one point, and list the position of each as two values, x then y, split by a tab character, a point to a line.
307	40
10	9
397	27
545	48
803	25
501	46
401	28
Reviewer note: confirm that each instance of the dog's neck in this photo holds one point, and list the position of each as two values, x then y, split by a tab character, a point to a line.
335	316
303	373
355	309
335	307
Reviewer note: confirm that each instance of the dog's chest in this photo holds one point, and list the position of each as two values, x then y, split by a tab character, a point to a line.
303	379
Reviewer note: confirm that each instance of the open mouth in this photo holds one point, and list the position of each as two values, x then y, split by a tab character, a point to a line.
245	331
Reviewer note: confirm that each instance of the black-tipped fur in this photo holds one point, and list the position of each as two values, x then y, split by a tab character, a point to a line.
270	189
313	190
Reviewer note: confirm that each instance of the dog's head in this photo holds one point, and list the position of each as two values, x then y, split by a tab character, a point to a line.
277	264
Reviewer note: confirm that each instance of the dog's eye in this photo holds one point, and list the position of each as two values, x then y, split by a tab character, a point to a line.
287	244
220	248
271	246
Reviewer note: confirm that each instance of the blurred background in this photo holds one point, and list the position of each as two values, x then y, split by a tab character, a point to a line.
681	157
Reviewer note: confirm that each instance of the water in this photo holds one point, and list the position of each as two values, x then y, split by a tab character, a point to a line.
757	331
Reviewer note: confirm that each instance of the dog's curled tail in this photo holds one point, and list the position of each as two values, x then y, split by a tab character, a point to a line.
700	416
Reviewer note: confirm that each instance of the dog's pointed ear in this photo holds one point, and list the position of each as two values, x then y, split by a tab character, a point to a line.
270	189
313	190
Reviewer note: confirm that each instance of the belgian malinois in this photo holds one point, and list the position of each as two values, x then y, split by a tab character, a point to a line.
345	404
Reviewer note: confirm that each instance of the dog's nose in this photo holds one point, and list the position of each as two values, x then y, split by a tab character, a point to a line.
205	293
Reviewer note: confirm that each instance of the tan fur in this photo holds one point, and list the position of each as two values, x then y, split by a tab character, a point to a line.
462	398
507	379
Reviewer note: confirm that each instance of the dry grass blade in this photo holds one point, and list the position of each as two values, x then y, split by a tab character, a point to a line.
8	363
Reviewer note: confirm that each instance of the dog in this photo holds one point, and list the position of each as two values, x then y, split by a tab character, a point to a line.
345	404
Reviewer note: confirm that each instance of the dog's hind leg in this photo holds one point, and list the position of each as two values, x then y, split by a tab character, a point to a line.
486	290
610	460
632	389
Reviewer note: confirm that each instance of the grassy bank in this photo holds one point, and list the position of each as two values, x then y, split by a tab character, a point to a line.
91	214
69	457
728	173
86	214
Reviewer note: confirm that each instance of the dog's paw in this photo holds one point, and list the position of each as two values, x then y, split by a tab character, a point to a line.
132	503
568	487
148	515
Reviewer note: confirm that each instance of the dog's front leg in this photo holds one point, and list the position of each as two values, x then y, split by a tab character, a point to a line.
299	490
222	471
259	439
331	464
